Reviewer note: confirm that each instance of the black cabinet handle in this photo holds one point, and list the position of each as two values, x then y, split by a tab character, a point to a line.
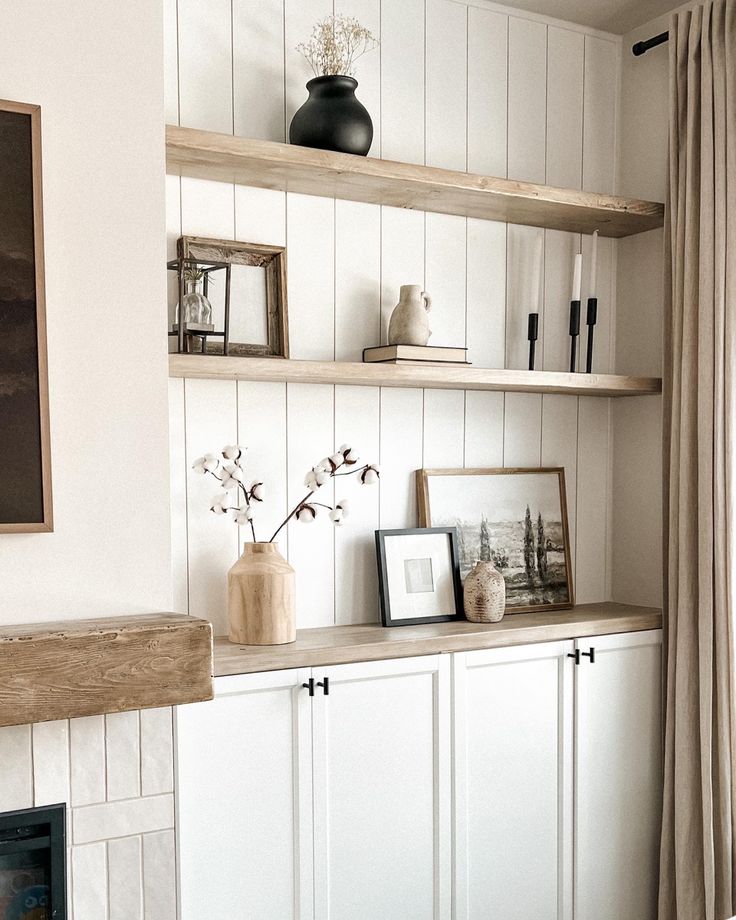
590	654
325	684
575	655
309	686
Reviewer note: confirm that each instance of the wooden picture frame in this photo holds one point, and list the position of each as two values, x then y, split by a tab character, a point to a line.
552	590
25	479
254	255
445	595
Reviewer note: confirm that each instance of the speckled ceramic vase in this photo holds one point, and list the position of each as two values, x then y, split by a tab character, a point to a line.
484	594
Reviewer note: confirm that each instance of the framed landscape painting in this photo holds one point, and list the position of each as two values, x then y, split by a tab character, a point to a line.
25	463
516	518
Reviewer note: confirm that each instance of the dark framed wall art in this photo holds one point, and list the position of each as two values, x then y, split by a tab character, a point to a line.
25	454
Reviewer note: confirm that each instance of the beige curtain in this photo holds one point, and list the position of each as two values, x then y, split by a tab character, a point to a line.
697	874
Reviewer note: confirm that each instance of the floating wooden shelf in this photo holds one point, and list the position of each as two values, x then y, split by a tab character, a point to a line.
343	644
266	164
87	667
281	370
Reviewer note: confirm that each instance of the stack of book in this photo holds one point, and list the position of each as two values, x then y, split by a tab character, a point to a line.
415	354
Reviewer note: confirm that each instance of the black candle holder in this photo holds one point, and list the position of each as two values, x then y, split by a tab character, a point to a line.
532	335
574	333
590	320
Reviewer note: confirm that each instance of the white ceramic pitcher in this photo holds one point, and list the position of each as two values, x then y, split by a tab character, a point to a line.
409	323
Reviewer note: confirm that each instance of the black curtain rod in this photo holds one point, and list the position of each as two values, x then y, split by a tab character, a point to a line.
642	47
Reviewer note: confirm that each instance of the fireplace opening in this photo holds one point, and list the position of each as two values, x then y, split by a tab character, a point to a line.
33	864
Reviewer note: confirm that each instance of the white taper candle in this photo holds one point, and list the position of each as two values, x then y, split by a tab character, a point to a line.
535	294
577	276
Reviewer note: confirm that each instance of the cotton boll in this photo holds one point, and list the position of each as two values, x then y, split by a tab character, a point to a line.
370	475
229	483
306	514
343	505
232	452
310	480
199	465
336	516
337	460
234	472
211	463
242	515
220	503
257	491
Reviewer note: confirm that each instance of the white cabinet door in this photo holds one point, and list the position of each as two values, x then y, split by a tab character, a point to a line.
513	712
382	790
244	809
618	776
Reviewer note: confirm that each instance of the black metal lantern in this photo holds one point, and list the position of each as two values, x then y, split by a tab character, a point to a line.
194	311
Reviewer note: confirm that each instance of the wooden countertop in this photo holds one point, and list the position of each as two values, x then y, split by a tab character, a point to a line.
344	644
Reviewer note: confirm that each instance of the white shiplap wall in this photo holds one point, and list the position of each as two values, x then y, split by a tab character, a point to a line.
115	773
461	85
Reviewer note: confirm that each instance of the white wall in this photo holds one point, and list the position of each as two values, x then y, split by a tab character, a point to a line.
96	70
463	85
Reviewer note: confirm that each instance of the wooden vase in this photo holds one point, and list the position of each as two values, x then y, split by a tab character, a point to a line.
484	594
261	591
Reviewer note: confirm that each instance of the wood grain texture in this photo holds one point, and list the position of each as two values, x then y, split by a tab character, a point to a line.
267	164
76	668
343	644
407	375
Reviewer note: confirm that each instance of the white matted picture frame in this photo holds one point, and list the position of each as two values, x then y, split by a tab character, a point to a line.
515	518
418	576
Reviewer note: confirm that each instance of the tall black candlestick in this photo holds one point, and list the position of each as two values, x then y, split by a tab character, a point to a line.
590	320
574	333
532	334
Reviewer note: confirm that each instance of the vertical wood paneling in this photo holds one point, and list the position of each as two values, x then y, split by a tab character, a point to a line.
445	277
258	69
211	423
260	215
487	91
207	208
522	429
205	65
87	742
444	428
310	425
357	423
122	745
483	429
16	788
402	257
522	297
559	448
593	476
446	83
125	878
300	18
565	50
401	454
357	278
486	293
599	132
171	63
603	339
311	236
50	762
178	496
368	68
527	112
402	80
560	249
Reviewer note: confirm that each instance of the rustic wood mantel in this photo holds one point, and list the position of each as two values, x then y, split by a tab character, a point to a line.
86	667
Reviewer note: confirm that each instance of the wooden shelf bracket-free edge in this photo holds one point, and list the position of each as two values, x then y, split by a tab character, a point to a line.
285	167
73	668
289	370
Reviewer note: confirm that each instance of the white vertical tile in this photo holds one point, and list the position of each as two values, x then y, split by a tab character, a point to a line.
445	277
559	448
401	455
593	478
521	296
402	80
522	430
402	257
211	423
87	741
50	762
310	425
157	751
368	67
357	278
205	65
446	83
487	91
260	215
311	236
483	429
16	788
300	17
602	59
564	107
262	429
89	882
122	744
159	876
171	62
356	587
178	479
124	858
527	99
258	68
444	428
486	293
560	249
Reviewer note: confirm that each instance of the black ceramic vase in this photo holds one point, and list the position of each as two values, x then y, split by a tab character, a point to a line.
332	118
